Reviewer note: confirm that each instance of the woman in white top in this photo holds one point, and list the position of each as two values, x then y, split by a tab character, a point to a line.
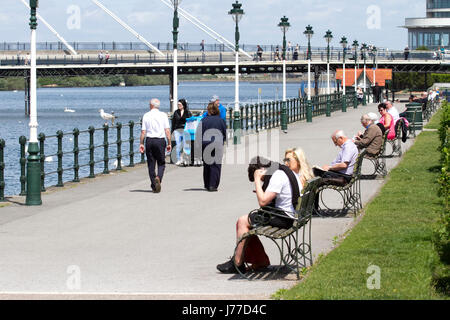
279	189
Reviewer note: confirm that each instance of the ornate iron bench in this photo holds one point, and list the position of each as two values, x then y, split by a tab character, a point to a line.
350	193
396	144
378	161
294	244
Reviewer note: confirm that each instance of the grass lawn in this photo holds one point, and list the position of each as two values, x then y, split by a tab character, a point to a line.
394	235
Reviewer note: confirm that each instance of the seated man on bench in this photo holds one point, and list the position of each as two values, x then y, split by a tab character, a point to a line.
341	169
371	139
280	190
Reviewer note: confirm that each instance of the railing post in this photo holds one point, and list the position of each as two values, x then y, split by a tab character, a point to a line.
246	117
119	146
2	170
257	106
309	111
91	152
76	153
328	112
344	103
284	117
355	100
270	118
23	163
41	139
131	154
60	136
251	117
265	115
105	148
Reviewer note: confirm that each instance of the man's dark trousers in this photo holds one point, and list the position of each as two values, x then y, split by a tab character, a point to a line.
155	150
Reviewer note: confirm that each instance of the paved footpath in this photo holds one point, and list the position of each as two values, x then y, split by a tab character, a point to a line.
112	238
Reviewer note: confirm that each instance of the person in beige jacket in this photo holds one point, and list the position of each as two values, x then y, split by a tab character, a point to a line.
371	139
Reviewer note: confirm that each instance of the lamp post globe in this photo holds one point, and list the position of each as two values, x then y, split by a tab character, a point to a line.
176	24
284	25
33	197
236	13
328	38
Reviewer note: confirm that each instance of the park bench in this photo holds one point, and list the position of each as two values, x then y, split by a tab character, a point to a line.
396	143
294	244
378	161
350	193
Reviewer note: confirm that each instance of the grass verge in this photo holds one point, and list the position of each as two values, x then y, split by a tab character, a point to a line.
394	235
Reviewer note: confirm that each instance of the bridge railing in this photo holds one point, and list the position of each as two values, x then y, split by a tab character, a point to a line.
205	57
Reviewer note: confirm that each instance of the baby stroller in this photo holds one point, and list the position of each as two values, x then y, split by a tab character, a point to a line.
188	157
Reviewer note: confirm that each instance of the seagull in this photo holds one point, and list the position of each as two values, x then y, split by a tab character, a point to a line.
107	116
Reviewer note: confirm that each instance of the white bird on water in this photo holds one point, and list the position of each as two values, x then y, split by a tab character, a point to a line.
107	116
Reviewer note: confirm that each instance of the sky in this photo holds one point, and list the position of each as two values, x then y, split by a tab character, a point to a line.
374	22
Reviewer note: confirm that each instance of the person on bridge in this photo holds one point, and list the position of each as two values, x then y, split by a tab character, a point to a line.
100	57
213	134
223	111
155	128
406	52
259	52
282	191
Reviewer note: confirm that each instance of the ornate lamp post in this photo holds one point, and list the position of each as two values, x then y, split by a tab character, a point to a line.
33	162
236	12
355	47
284	26
344	46
309	34
176	24
364	51
328	37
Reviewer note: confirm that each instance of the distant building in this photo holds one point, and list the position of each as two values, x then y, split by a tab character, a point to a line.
434	30
379	76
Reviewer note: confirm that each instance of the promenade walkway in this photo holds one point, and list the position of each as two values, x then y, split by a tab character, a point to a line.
123	241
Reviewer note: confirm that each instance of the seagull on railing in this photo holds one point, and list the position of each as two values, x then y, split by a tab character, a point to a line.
107	116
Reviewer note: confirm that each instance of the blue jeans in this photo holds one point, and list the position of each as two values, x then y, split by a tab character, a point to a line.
179	140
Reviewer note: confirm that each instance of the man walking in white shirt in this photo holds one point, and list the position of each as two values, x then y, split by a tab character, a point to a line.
155	130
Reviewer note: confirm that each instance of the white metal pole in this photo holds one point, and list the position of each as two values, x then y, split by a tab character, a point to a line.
328	78
236	103
309	79
343	81
365	83
175	80
284	79
33	94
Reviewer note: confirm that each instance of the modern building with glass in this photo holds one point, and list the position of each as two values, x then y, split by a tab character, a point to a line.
433	31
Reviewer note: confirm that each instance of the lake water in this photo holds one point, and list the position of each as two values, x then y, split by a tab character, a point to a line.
128	103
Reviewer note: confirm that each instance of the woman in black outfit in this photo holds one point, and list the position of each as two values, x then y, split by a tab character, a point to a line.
178	121
213	133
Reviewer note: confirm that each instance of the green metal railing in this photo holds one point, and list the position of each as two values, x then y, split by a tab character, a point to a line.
88	151
76	150
267	115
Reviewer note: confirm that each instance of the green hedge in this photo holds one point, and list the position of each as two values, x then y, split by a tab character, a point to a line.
441	236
